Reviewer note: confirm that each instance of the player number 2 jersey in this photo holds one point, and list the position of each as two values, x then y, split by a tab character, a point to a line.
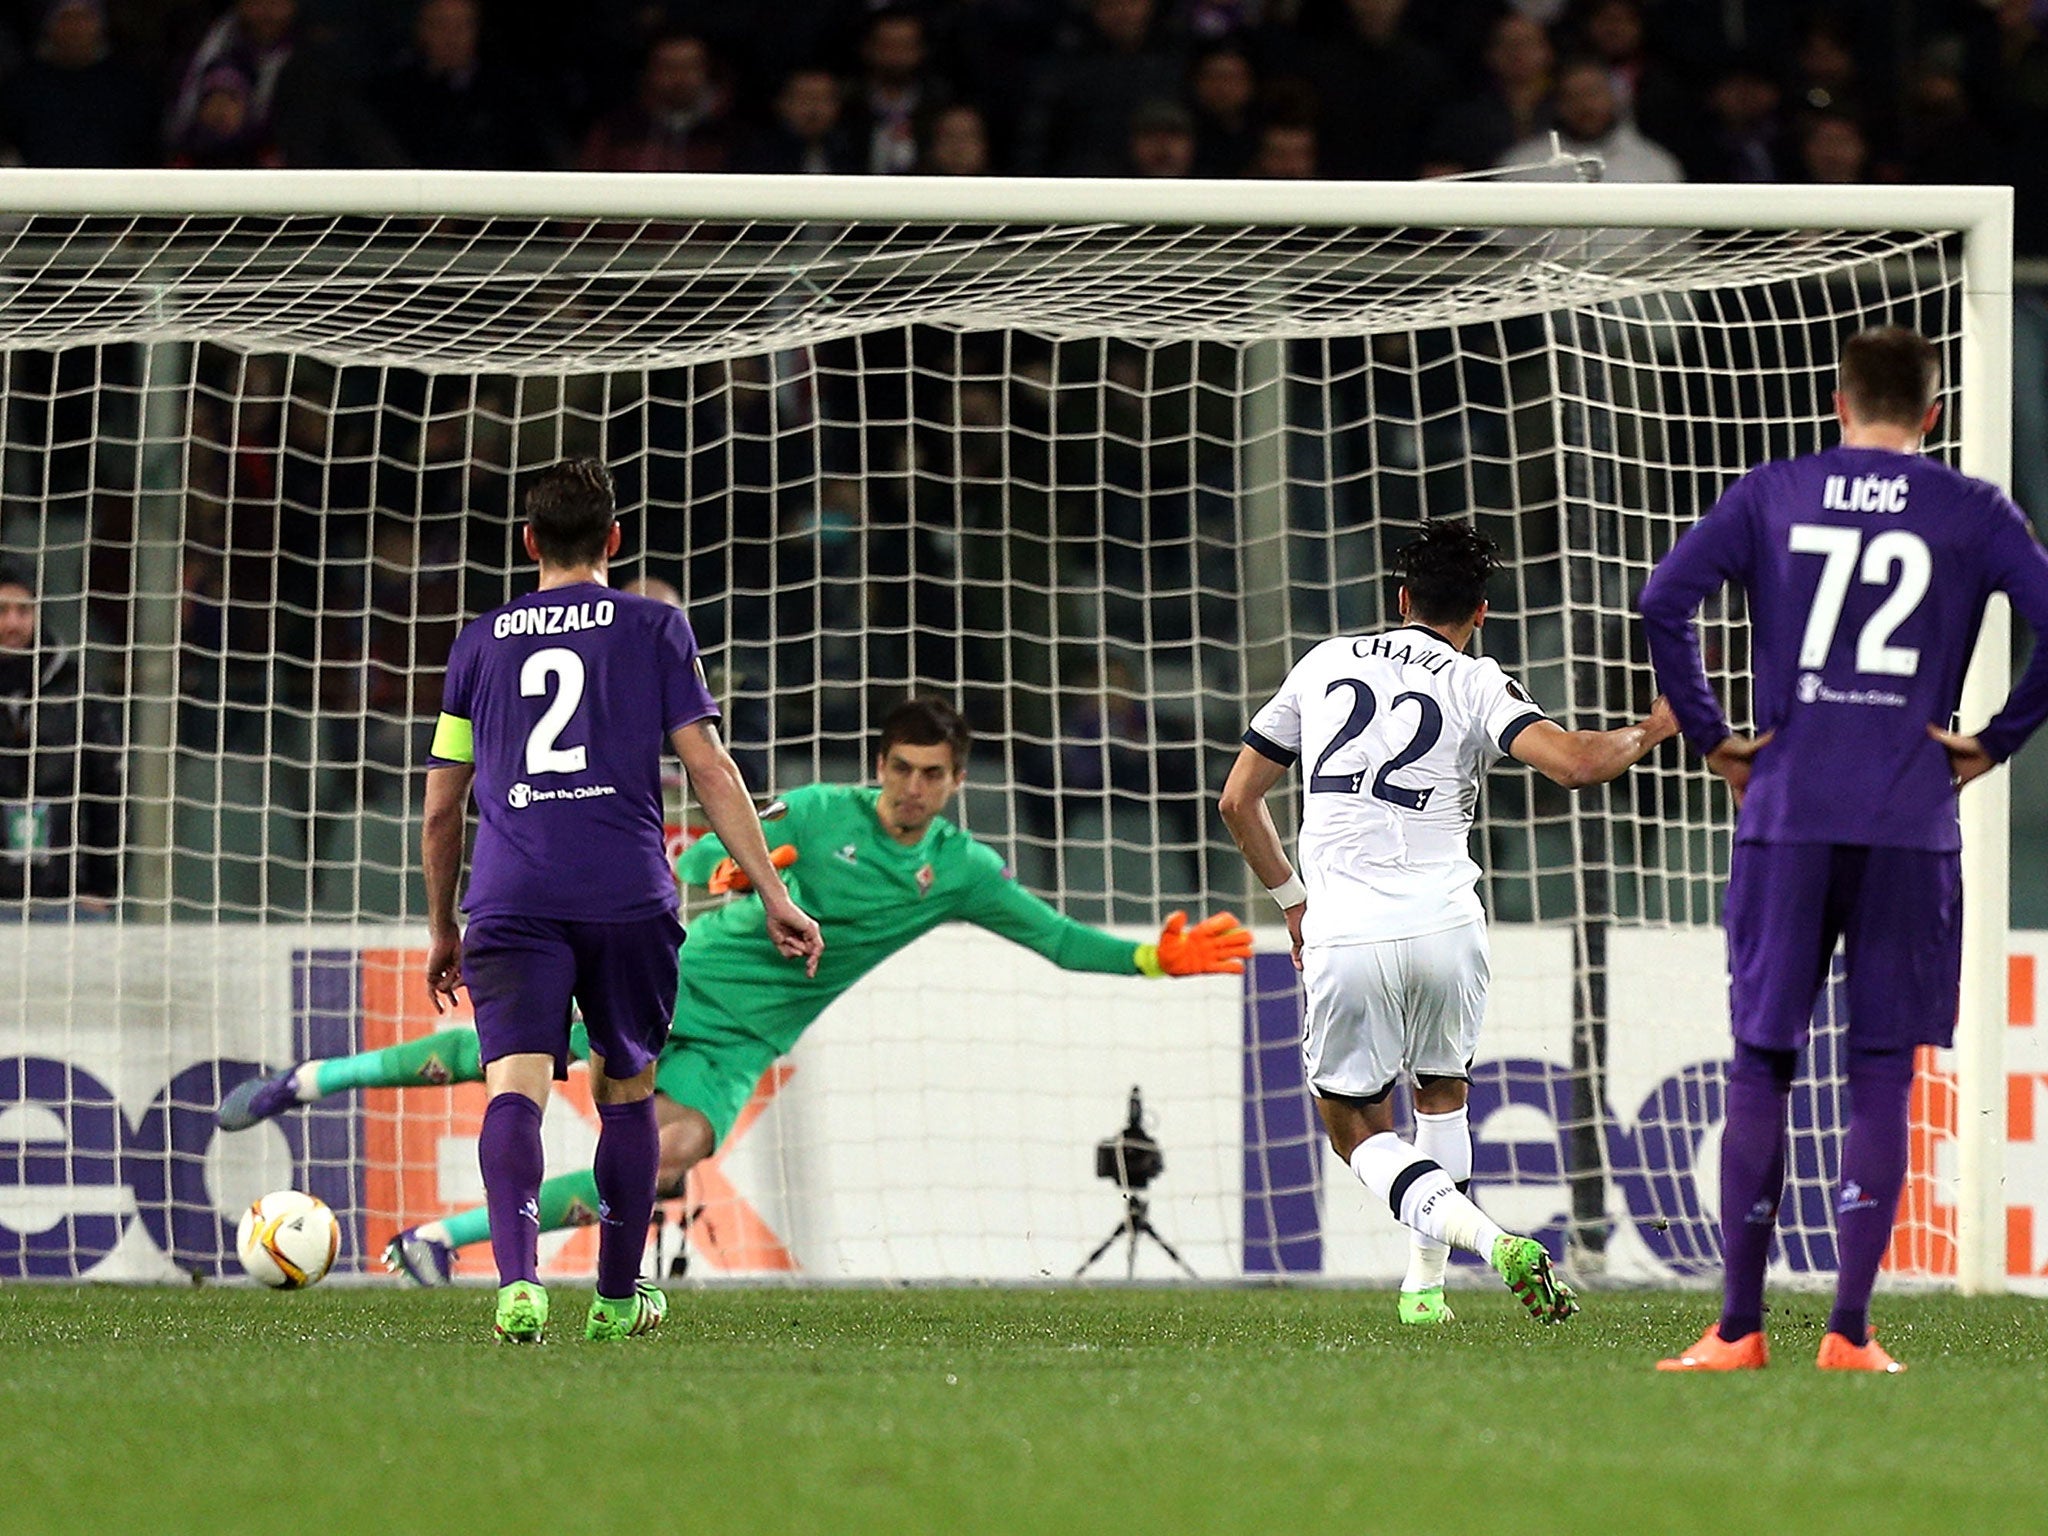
563	700
1393	732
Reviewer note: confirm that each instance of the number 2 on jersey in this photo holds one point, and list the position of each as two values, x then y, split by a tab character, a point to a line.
1893	551
1429	726
565	667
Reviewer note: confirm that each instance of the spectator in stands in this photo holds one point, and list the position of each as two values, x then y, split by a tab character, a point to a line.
449	104
297	110
1943	139
2009	75
1208	20
1162	140
1078	121
1287	152
1377	90
895	88
955	142
678	119
1743	139
77	103
1588	122
1114	753
1223	86
60	771
2010	65
1834	150
806	136
1647	91
1828	81
1825	71
224	133
1513	106
392	614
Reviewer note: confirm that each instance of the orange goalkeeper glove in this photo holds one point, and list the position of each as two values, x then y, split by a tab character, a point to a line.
728	879
1216	946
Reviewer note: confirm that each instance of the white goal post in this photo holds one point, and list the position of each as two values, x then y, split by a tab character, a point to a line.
1305	369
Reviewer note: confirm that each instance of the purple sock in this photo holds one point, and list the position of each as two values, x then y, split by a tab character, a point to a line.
1873	1173
1752	1180
508	1150
628	1157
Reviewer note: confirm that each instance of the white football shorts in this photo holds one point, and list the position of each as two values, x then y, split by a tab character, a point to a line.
1398	1005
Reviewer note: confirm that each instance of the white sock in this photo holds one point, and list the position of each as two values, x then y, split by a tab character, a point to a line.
306	1081
433	1231
1447	1141
1429	1202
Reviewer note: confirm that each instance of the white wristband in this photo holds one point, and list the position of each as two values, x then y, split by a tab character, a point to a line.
1289	893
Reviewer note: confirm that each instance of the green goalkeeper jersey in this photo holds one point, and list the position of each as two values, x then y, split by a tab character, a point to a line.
872	896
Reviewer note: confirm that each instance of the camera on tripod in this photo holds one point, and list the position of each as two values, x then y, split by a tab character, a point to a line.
1130	1159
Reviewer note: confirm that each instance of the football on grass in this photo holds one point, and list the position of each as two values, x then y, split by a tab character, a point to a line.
288	1240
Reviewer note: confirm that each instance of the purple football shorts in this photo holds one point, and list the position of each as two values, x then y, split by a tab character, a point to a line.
1899	913
523	972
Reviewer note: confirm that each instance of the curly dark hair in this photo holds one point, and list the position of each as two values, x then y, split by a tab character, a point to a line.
1446	571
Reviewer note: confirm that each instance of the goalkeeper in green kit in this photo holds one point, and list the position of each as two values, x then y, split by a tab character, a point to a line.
878	867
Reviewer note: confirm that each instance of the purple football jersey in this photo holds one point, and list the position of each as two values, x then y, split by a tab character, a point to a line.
1867	572
571	694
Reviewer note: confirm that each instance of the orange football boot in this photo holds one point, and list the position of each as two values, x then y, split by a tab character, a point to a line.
1713	1353
1838	1354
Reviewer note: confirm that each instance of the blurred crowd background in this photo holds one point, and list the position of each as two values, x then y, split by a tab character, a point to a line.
1720	90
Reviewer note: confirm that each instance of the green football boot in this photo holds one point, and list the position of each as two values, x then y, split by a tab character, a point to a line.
1524	1266
522	1312
639	1313
1426	1309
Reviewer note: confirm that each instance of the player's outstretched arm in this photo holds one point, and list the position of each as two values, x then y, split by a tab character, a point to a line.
1579	759
1244	811
441	861
715	781
993	900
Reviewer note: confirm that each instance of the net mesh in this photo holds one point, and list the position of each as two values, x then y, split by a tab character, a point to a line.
1100	483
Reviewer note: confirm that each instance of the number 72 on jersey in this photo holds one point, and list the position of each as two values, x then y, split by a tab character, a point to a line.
1894	558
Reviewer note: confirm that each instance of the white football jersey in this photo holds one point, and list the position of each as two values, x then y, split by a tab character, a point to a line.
1393	732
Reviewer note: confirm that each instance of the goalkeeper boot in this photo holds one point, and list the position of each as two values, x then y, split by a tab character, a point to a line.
259	1099
1425	1309
639	1313
1838	1354
522	1313
1751	1352
422	1260
1524	1267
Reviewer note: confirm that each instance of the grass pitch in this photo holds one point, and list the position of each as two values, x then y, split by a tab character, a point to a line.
1129	1411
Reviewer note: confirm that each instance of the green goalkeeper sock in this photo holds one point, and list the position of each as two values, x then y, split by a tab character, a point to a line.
448	1057
569	1200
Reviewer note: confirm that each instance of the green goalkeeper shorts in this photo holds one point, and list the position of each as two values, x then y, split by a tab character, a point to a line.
714	1075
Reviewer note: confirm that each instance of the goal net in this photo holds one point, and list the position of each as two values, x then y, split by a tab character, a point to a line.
1095	460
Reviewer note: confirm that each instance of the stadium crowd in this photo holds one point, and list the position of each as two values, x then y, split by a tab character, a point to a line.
1722	90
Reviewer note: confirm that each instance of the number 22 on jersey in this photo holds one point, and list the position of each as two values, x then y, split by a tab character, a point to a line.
1429	726
1893	557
